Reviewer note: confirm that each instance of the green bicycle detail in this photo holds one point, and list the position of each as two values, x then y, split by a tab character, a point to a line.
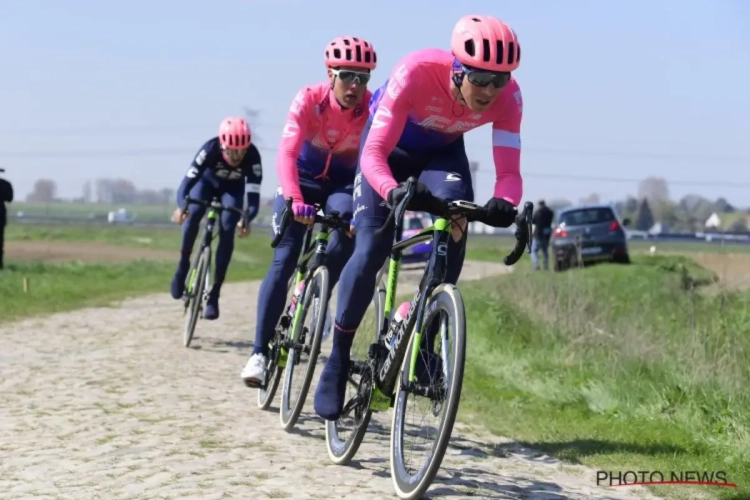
198	282
402	360
294	342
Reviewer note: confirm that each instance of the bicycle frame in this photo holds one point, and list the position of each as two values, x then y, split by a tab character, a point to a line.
206	239
313	255
434	275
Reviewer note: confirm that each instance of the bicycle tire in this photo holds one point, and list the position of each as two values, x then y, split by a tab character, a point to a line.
266	396
341	452
196	301
288	412
445	298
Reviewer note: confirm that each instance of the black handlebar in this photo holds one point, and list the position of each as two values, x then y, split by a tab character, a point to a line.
473	213
216	205
331	220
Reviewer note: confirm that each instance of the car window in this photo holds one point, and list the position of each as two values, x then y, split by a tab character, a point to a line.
587	216
414	223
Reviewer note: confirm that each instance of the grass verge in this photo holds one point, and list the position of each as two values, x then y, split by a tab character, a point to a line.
616	367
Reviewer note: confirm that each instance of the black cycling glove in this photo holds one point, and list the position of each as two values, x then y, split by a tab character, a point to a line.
500	212
421	201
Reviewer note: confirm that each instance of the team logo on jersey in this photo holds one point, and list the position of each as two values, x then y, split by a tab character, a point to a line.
257	169
201	157
382	116
397	82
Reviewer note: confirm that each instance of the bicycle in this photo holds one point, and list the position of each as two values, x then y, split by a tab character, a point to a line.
198	282
388	375
292	339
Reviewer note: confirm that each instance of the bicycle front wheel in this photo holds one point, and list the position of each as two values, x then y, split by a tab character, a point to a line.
276	356
196	292
344	436
304	348
439	372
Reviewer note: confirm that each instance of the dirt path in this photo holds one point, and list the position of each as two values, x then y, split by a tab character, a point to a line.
66	251
107	404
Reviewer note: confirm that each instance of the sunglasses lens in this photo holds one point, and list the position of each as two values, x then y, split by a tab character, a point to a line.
482	79
354	77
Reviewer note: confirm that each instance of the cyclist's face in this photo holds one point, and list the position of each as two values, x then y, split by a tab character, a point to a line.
349	84
479	98
234	156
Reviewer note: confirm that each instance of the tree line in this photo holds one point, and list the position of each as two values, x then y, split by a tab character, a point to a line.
109	191
652	204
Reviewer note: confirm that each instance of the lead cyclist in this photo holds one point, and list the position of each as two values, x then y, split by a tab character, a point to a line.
417	123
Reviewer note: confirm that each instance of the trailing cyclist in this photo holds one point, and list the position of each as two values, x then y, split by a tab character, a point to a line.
316	164
418	119
228	167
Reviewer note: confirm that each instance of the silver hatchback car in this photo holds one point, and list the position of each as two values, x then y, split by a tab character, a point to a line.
588	234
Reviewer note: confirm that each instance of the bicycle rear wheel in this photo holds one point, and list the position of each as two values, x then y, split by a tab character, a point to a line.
344	436
443	373
195	293
304	348
276	355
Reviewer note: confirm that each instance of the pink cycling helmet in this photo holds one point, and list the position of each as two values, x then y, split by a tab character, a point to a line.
486	43
234	133
351	51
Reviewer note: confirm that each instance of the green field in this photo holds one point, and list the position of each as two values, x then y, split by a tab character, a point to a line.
99	211
616	367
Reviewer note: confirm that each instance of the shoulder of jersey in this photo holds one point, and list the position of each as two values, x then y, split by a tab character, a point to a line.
426	57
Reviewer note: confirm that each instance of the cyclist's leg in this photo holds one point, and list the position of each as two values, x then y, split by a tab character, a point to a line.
356	286
227	224
272	294
201	191
447	176
340	245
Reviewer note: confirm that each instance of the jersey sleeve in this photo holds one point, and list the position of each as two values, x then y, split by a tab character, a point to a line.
387	126
197	167
253	180
292	139
506	150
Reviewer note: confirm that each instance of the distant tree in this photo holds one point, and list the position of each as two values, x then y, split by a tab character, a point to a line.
738	226
559	203
44	191
645	218
654	189
590	199
722	206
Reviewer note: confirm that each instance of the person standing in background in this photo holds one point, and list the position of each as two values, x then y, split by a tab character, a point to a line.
6	196
542	221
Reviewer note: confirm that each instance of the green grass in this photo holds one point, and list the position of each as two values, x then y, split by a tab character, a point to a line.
616	367
58	287
100	210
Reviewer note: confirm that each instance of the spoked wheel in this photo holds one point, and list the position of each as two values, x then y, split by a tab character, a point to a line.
276	355
439	372
196	292
304	347
343	436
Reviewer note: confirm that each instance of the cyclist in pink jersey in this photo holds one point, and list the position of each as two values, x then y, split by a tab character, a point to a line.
418	120
316	163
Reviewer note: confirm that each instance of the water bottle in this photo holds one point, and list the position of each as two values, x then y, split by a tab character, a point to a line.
295	297
398	318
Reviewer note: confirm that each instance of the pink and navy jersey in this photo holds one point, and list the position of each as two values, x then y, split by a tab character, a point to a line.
417	111
320	139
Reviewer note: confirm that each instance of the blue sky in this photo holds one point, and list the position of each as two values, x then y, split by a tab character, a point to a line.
612	90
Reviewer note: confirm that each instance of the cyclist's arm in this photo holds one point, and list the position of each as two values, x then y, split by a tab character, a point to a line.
197	167
292	139
385	131
253	180
506	149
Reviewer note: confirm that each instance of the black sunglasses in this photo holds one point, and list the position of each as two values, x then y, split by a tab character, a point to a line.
484	78
348	76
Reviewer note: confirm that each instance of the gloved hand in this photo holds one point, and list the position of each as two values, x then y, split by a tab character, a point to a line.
304	213
421	201
500	212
